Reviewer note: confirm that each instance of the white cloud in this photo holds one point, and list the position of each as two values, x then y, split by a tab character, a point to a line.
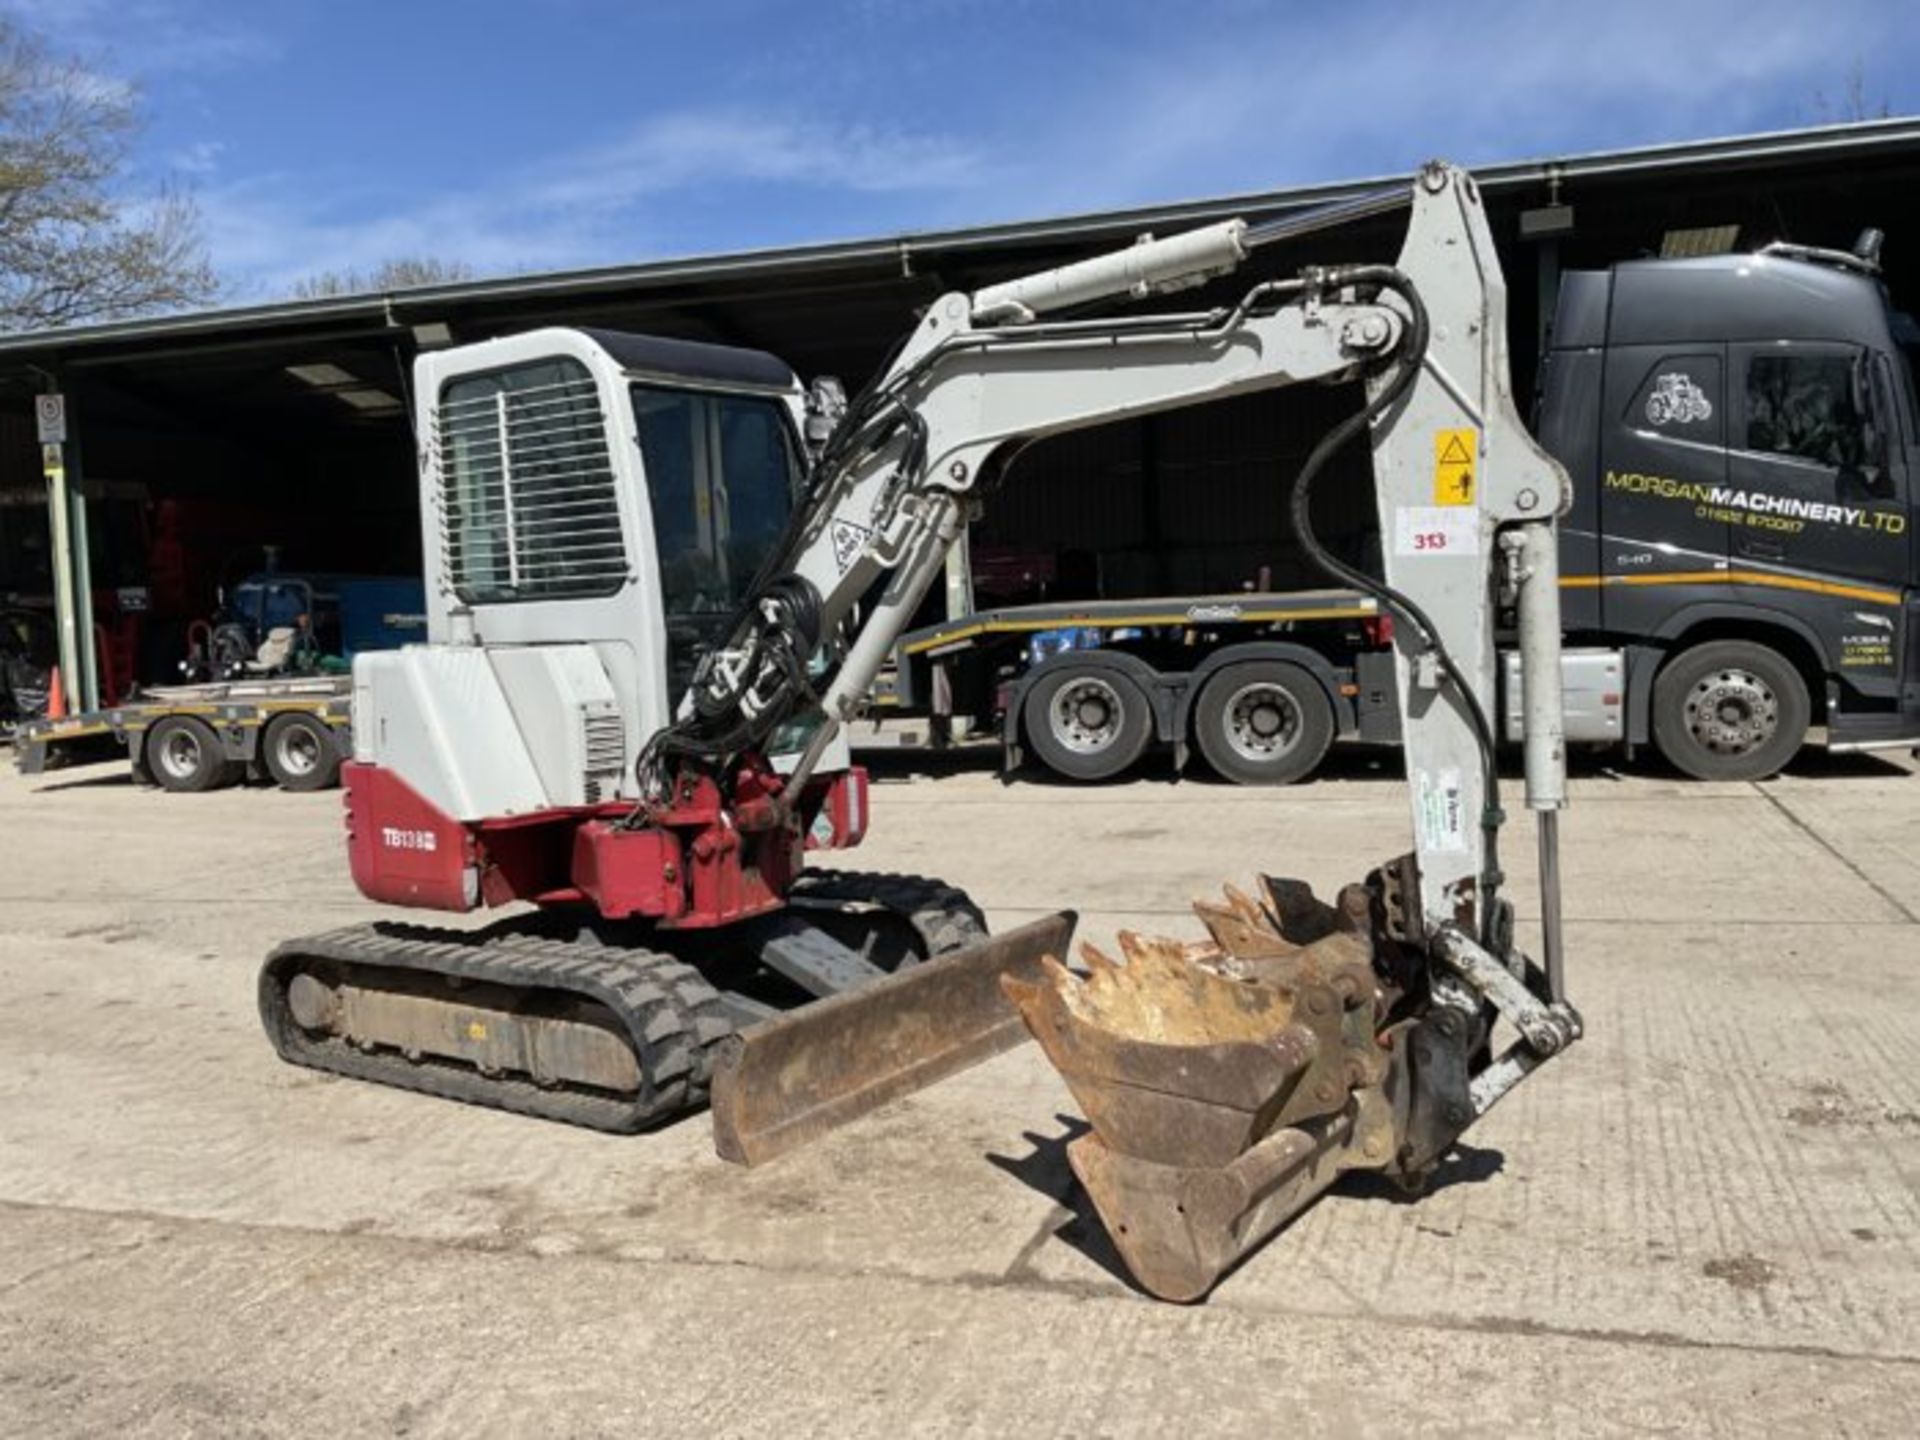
202	157
671	151
1265	101
1224	95
586	208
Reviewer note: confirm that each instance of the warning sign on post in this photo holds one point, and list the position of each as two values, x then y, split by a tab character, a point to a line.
51	413
1455	458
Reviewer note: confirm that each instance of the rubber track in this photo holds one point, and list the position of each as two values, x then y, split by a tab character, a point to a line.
674	1019
943	915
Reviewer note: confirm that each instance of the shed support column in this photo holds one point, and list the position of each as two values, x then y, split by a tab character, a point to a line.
85	688
1547	263
72	574
959	578
59	535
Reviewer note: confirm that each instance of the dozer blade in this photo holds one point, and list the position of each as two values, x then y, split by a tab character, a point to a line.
789	1079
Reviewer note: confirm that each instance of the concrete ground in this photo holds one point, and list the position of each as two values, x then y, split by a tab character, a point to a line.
1703	1220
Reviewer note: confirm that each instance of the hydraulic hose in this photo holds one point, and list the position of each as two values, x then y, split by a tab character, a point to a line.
1410	352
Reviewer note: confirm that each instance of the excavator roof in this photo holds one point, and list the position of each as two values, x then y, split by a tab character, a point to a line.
693	359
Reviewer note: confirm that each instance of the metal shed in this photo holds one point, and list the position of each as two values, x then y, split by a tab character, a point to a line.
193	435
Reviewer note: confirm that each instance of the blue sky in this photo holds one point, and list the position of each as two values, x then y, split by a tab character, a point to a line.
541	134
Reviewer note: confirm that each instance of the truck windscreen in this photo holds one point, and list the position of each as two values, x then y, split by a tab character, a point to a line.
1906	335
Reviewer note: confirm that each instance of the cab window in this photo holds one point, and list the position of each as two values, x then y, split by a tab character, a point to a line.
1803	406
722	476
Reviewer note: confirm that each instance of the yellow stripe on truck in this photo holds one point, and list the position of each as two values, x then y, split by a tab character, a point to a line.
1109	622
1736	577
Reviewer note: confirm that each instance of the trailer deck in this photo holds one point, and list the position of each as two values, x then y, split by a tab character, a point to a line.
236	712
1197	611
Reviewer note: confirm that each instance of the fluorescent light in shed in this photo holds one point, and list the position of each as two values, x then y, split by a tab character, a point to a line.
1706	240
323	375
369	400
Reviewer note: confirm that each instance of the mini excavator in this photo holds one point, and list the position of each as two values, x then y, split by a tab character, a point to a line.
662	577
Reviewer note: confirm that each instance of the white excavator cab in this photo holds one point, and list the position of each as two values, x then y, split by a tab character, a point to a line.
595	509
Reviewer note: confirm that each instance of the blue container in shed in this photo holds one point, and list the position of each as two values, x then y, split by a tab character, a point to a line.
381	613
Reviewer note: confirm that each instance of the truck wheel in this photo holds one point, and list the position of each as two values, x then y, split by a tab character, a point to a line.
186	757
300	752
1730	710
1263	722
1087	722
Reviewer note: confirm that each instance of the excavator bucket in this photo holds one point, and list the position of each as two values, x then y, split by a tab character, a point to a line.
1228	1082
791	1078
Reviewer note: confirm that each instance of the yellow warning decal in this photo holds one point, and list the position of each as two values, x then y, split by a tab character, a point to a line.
1455	455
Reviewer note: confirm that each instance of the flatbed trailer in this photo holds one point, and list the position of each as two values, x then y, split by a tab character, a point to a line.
294	731
1261	683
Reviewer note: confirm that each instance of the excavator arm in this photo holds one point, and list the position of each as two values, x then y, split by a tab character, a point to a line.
1230	1080
1466	500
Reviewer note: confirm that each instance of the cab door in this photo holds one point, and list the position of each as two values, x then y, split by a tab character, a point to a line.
1809	470
1662	458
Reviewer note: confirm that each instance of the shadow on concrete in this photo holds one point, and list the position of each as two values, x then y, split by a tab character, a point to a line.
911	762
1462	1165
1046	1170
1812	764
1344	763
121	776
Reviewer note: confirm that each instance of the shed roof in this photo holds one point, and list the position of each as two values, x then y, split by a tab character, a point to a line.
913	251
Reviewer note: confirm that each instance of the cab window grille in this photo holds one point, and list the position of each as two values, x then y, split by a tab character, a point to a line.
529	509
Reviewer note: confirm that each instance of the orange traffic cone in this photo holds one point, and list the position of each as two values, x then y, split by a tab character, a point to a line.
56	696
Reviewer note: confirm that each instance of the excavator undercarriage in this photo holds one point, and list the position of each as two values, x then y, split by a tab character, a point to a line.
866	986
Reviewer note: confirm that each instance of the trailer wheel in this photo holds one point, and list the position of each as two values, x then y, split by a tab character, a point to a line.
1087	722
1730	710
1263	722
186	757
300	752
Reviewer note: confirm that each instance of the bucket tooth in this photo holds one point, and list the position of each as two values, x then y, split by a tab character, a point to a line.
1156	950
1241	928
1237	939
1304	917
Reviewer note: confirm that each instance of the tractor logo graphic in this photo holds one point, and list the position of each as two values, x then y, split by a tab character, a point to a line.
1677	400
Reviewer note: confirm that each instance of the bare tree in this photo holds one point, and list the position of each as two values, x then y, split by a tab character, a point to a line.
1853	103
74	246
405	273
